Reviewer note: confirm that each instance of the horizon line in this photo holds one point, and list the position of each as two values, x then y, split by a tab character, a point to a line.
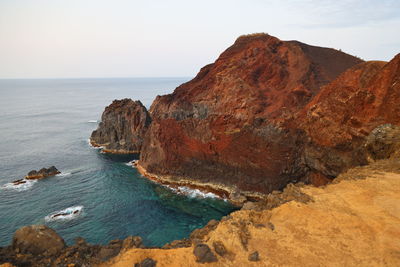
117	77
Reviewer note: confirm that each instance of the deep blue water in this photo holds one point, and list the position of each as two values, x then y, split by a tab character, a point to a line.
46	122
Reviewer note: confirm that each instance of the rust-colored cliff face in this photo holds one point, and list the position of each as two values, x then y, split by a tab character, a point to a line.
228	125
340	118
122	127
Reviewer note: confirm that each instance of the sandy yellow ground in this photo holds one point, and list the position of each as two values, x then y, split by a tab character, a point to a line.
351	223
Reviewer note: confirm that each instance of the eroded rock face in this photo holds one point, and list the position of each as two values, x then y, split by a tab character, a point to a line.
122	127
340	121
230	124
37	239
42	173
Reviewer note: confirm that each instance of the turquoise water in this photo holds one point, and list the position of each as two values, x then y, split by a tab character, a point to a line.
48	122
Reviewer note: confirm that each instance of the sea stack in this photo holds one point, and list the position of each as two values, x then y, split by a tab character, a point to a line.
42	173
122	128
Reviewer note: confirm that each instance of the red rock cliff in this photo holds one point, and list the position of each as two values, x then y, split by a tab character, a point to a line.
233	124
339	120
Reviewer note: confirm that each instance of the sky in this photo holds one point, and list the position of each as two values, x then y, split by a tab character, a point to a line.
174	38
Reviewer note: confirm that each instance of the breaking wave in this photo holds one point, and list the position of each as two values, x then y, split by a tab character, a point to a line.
192	193
65	214
25	185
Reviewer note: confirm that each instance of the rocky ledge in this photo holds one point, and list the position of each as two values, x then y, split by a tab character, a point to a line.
122	128
42	173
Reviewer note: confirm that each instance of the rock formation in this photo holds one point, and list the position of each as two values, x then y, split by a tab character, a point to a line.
327	230
122	127
40	246
37	239
227	127
42	173
340	121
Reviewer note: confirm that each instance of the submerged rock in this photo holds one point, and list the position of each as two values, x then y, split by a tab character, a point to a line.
122	128
42	173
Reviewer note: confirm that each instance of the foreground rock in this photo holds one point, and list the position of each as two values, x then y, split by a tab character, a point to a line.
360	228
42	173
122	127
37	239
228	127
40	246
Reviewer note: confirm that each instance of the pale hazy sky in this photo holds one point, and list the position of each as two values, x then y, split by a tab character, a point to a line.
127	38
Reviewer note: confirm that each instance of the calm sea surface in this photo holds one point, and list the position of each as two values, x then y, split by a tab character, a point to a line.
48	122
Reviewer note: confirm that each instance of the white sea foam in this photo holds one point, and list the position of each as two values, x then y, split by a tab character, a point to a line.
94	147
20	187
132	163
93	121
63	174
192	193
65	214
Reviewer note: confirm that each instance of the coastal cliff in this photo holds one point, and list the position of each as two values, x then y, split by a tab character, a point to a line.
122	127
231	127
266	113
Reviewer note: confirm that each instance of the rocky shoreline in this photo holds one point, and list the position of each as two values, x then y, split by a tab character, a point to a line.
223	191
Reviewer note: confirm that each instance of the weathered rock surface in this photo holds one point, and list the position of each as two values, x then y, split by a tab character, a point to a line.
42	173
37	239
227	126
122	128
340	121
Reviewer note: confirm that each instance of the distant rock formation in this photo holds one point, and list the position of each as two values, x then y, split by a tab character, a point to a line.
122	127
228	127
42	173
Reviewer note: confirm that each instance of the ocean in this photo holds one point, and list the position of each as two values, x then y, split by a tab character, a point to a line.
45	122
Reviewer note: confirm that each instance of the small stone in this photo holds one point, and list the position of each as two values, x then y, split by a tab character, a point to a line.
204	254
271	226
219	248
148	262
254	256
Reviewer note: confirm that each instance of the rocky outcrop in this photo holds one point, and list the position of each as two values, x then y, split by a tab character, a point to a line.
227	128
42	173
122	128
339	122
40	246
37	239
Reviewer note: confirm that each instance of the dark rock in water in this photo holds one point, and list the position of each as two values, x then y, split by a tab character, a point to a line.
254	256
37	239
148	262
18	182
43	173
204	254
122	128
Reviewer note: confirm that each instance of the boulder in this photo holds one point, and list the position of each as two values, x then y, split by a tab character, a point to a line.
204	254
37	239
